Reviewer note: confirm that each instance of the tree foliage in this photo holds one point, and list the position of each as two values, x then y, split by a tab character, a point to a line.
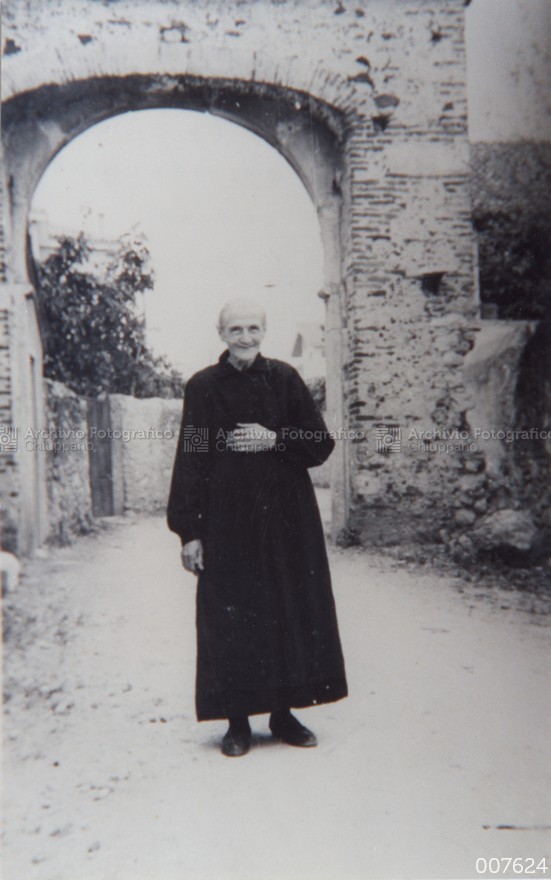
95	331
511	194
316	386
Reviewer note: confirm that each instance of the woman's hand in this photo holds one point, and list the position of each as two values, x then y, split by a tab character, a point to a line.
251	437
192	556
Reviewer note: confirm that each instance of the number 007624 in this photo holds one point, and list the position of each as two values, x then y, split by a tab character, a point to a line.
508	866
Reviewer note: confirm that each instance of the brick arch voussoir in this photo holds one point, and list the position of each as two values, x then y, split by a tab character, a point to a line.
38	124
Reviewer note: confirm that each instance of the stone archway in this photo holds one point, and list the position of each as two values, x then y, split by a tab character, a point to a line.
367	101
38	124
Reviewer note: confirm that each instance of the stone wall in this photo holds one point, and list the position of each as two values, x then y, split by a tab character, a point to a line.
64	448
143	442
532	454
502	499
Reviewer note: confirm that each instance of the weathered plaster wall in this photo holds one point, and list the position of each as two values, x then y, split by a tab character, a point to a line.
9	507
23	502
367	101
145	433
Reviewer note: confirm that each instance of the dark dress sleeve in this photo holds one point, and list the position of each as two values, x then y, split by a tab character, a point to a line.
185	510
305	440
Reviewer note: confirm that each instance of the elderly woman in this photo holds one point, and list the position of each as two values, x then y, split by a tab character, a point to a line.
242	502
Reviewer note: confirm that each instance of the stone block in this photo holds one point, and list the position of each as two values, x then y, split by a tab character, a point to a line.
465	517
490	375
506	529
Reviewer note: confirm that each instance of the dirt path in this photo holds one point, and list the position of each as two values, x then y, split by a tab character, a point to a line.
109	777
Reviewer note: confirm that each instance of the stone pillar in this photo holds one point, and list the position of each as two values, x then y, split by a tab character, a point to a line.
329	215
23	462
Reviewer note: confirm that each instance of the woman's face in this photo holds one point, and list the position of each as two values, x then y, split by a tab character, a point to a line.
243	332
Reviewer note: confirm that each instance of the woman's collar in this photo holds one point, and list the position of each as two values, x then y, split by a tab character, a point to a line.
225	365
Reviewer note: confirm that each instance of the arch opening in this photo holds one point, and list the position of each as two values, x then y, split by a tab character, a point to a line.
219	224
305	132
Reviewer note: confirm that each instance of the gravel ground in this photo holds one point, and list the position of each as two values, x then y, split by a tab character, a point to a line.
108	776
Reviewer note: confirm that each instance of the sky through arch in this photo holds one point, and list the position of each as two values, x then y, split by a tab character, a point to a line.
224	214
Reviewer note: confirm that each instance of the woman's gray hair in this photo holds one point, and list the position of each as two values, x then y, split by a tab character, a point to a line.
242	305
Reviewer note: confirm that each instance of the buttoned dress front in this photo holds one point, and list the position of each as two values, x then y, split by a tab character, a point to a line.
267	634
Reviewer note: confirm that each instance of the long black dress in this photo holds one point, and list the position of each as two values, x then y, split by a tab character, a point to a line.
267	633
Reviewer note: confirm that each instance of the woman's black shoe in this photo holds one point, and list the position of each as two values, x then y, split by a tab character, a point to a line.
288	729
237	740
